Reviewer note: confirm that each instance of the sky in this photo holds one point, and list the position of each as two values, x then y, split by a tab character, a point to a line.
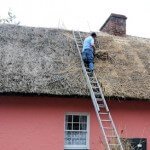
84	15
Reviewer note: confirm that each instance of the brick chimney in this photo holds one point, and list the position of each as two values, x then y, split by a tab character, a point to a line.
115	25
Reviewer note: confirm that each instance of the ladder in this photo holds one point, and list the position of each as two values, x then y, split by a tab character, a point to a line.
111	137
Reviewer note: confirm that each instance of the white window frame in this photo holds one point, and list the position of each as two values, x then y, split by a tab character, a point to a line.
87	136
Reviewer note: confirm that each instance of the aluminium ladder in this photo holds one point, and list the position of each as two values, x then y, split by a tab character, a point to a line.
106	123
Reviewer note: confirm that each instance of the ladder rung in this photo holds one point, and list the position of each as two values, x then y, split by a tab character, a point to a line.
99	99
91	81
95	87
114	145
108	128
94	82
88	72
98	96
103	113
87	68
92	77
111	136
106	120
101	105
78	44
96	90
97	93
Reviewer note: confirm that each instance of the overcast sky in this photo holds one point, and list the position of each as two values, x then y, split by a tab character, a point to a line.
84	15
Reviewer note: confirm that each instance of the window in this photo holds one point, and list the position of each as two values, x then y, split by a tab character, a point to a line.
76	131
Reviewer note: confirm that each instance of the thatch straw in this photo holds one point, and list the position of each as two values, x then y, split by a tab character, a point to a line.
38	60
125	71
42	60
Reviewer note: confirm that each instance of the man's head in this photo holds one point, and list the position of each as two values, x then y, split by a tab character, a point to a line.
93	34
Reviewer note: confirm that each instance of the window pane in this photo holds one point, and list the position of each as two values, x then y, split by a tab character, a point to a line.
68	134
68	138
83	138
83	135
68	126
83	118
69	118
76	126
75	137
75	118
83	126
78	138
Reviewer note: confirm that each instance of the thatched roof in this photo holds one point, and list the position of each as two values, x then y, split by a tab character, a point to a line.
46	61
125	72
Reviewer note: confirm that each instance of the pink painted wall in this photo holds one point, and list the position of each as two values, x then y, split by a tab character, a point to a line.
132	119
37	123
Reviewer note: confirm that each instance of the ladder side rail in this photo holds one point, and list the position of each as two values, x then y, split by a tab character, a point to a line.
112	122
92	94
82	63
100	122
80	37
98	116
118	137
87	78
101	126
102	95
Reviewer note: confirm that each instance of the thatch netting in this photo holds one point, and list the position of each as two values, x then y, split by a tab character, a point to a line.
42	60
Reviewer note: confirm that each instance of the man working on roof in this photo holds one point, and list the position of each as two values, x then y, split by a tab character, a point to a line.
89	50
